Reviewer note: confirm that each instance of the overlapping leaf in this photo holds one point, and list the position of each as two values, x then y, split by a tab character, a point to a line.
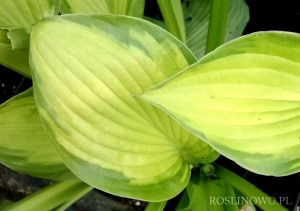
8	56
244	100
197	13
24	144
21	14
86	71
121	7
16	18
204	193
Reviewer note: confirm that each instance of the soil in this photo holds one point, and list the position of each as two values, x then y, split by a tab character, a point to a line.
264	15
15	186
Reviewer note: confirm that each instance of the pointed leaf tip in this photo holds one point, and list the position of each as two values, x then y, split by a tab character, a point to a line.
243	99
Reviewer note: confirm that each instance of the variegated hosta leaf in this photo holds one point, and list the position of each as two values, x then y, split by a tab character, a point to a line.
24	144
13	59
121	7
197	13
86	71
244	100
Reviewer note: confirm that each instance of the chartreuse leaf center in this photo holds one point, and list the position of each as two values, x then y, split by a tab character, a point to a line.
86	71
244	100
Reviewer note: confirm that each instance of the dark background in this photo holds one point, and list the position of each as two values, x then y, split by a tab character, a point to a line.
264	15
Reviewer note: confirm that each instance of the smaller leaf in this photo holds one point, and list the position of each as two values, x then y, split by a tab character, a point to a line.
24	145
17	16
19	39
14	59
207	193
247	193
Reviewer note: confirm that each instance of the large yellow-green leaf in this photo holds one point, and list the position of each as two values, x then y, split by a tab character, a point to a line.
244	100
86	71
24	144
197	13
121	7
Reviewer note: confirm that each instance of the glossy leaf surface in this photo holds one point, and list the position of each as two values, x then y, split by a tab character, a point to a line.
24	144
243	99
86	71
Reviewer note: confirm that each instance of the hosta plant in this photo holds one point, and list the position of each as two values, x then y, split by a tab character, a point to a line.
132	106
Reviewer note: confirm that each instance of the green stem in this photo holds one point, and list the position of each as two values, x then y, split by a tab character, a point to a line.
172	13
156	206
50	197
262	200
64	206
217	24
